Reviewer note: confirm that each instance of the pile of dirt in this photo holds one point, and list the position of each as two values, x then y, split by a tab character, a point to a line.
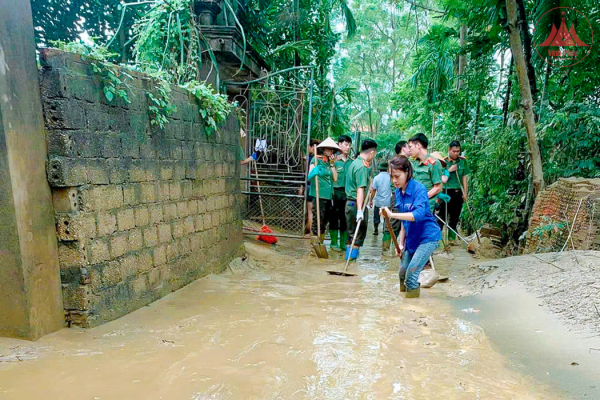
568	204
567	283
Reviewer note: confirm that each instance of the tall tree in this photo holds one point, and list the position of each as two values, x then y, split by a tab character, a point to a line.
526	98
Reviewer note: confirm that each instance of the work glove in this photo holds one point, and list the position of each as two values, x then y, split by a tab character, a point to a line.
315	171
444	197
359	215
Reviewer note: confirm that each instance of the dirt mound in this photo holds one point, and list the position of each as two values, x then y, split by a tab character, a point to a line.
572	203
568	283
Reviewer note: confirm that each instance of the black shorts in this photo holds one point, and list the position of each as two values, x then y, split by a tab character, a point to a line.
310	199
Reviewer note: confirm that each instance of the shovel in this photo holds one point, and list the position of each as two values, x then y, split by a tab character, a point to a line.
471	246
344	273
319	248
392	234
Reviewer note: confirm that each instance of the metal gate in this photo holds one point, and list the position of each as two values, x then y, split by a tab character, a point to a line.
278	114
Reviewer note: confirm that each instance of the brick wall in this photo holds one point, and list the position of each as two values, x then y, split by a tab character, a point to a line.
140	211
560	202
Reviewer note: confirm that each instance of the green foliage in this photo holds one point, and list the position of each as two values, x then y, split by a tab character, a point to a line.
214	108
160	107
114	79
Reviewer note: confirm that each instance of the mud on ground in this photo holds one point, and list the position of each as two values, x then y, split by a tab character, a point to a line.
567	283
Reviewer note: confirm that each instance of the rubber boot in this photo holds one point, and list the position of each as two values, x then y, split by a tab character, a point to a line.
343	239
354	253
413	294
387	240
376	230
334	239
402	286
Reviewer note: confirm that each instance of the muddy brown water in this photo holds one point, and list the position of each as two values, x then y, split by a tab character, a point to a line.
276	327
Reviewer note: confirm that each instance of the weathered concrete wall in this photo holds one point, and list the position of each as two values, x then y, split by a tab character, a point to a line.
30	295
140	211
567	200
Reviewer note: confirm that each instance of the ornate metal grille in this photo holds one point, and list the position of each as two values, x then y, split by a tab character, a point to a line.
278	113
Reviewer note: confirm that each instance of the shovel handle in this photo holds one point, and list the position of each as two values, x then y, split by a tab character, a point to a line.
317	195
391	231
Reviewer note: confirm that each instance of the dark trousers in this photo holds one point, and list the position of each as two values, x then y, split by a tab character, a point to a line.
454	208
338	212
396	223
351	223
324	214
376	216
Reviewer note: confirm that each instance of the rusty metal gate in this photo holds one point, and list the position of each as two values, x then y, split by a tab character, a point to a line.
278	115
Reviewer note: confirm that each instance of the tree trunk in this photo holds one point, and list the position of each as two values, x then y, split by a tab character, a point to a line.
526	99
501	73
527	49
462	59
477	113
545	88
370	116
508	90
297	61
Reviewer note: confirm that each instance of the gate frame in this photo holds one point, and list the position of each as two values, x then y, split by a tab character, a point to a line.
225	84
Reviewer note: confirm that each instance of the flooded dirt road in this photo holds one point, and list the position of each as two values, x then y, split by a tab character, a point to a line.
276	326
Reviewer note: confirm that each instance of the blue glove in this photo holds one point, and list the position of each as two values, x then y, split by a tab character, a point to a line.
359	215
444	197
446	173
315	171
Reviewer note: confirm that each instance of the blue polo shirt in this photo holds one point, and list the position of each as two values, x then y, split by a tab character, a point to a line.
424	228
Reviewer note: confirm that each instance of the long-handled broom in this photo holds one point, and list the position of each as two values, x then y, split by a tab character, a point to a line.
344	273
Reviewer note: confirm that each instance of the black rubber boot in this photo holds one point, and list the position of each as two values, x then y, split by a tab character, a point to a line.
414	293
402	286
376	230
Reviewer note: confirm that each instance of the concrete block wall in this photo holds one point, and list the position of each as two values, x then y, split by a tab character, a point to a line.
140	211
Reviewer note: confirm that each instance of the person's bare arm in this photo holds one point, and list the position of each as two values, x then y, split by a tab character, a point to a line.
435	190
360	198
465	187
334	172
373	192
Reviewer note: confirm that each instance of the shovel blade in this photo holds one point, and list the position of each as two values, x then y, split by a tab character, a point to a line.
339	273
320	250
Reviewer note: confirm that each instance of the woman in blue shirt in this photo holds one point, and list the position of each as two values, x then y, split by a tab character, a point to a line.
420	232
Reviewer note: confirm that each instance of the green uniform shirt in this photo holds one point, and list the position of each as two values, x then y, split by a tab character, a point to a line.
357	176
429	173
325	182
462	170
342	169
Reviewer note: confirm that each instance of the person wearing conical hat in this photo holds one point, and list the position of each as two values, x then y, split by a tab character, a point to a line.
326	173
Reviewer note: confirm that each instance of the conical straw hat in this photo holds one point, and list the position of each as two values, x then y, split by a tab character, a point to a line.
328	143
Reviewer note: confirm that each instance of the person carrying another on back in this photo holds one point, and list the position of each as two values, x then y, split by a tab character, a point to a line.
427	169
457	186
327	175
381	194
357	184
420	232
337	223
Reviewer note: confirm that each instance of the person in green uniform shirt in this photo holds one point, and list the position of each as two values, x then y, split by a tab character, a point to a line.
337	223
357	184
457	186
327	174
427	169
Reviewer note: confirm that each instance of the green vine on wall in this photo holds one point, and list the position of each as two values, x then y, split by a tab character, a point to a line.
213	107
114	80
